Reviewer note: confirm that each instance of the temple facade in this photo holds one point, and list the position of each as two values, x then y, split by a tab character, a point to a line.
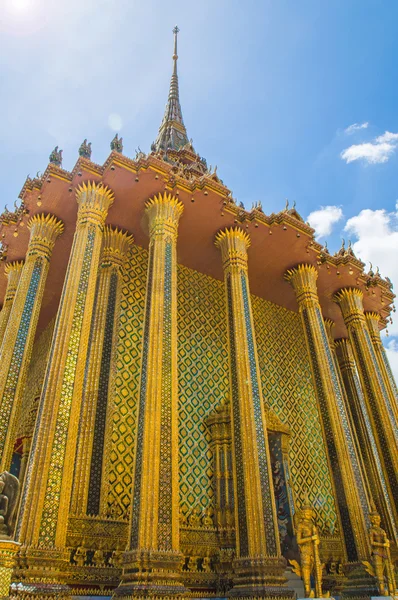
179	378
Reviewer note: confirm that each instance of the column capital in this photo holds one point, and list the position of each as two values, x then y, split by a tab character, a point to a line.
303	279
372	321
13	271
233	244
115	247
44	230
329	326
164	212
350	302
94	200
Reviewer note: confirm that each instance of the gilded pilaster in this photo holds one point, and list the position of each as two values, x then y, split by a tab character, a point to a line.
89	485
153	562
219	423
379	487
348	478
19	334
372	321
49	475
380	401
13	272
259	566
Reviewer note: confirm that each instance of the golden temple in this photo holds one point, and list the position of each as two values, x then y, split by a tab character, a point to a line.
194	397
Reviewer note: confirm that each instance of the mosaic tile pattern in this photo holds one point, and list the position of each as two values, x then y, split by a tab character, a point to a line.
287	389
128	364
242	538
261	440
344	421
203	378
203	382
54	482
165	467
388	462
94	490
350	545
19	348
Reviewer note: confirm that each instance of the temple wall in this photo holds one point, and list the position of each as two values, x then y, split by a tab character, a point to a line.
203	382
288	390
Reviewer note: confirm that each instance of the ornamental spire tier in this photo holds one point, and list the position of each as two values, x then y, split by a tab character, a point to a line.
172	133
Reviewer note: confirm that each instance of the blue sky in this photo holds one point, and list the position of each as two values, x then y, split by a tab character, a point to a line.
269	91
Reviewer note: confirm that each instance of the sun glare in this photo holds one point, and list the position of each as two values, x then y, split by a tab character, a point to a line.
19	6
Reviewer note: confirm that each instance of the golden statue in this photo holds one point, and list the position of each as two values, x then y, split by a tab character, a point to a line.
80	556
207	520
193	564
206	564
382	567
99	558
194	517
308	542
116	560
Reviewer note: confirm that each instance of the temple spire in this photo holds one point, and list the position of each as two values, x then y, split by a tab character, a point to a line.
172	133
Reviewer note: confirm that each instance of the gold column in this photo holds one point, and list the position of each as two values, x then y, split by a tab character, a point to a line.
8	552
19	335
89	494
48	481
153	562
372	321
13	272
379	486
350	488
380	402
259	566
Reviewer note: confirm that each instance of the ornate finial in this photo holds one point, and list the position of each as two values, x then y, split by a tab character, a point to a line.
294	204
117	144
342	250
56	157
85	149
371	273
172	133
377	272
287	205
175	31
350	251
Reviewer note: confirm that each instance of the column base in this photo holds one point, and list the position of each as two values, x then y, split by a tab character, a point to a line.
358	583
260	577
155	574
8	551
40	573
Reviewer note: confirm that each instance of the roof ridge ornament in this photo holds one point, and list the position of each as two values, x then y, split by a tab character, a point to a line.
172	133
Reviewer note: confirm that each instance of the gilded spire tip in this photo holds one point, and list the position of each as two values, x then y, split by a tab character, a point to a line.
175	31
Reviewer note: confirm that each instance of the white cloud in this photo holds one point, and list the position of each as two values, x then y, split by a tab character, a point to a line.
387	137
371	153
377	151
376	233
356	127
322	220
